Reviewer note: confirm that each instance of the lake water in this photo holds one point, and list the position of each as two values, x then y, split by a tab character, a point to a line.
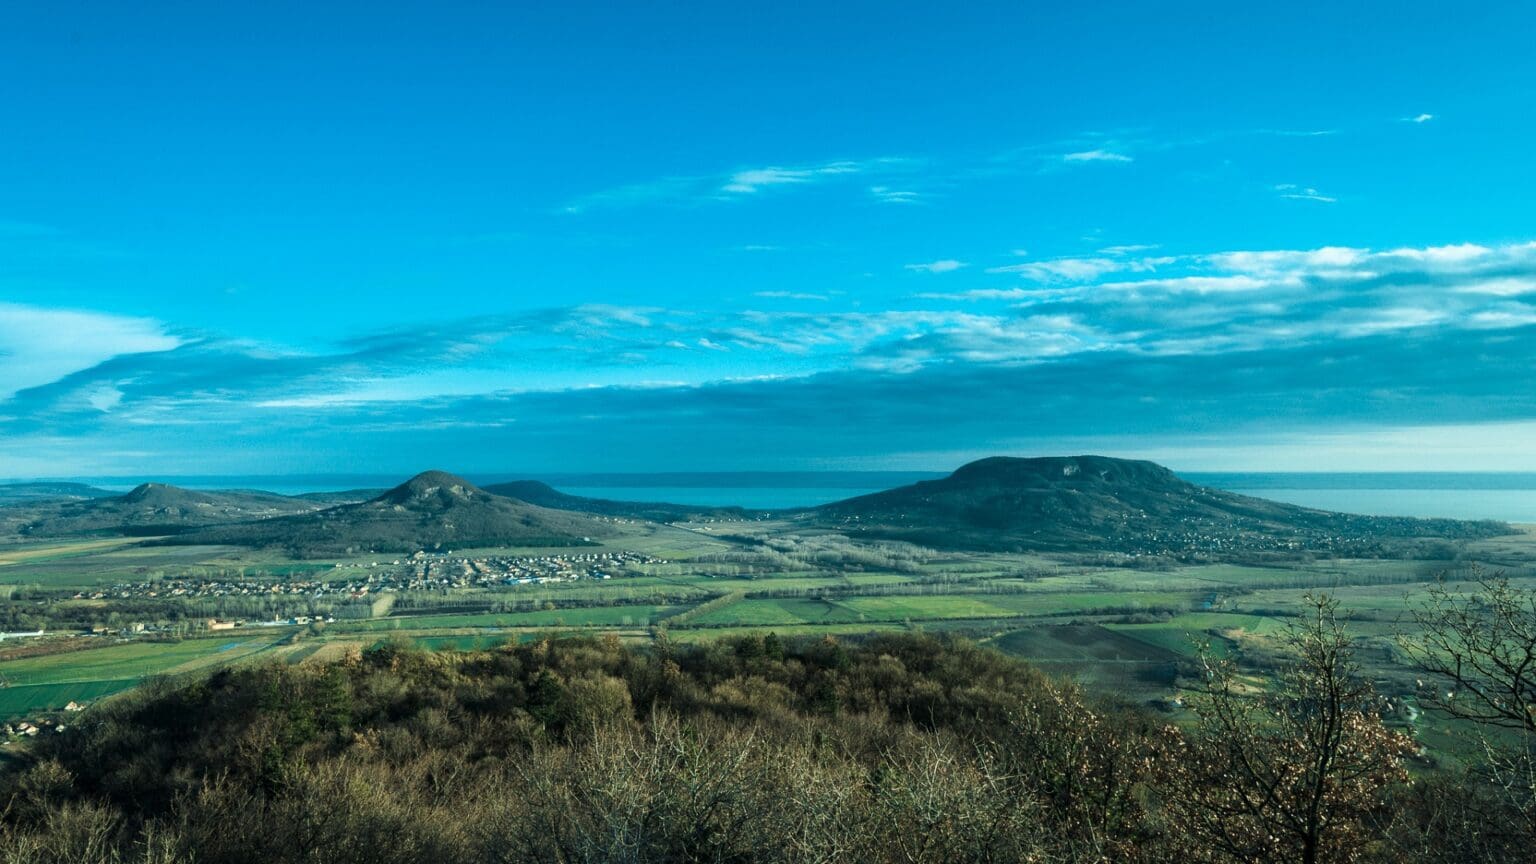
1510	497
1507	497
753	498
1505	505
1509	505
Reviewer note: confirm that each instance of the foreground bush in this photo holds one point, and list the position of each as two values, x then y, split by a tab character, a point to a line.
899	749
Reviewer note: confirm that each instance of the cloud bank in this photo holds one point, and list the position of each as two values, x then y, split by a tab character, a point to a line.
1225	349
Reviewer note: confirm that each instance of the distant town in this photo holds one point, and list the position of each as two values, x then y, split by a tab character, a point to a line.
421	571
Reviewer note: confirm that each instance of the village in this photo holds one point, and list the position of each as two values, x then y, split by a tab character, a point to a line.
421	571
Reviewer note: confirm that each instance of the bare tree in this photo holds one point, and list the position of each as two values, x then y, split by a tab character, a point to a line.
1291	771
1477	646
1481	644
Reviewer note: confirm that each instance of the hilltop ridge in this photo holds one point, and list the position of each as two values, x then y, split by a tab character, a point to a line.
431	488
432	510
1101	503
147	509
1067	469
38	491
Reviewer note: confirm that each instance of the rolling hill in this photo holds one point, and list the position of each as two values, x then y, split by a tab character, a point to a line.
149	509
433	510
27	493
1097	503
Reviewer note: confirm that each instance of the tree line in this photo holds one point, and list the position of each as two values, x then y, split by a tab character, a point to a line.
896	748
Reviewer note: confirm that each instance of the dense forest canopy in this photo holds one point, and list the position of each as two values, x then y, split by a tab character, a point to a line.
895	748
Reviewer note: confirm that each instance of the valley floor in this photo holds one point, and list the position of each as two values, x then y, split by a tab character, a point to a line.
1126	628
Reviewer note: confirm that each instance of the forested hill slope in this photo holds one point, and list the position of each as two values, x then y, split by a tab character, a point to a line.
753	750
151	508
1081	503
433	510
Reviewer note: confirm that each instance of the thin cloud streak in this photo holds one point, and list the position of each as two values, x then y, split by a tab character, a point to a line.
1096	156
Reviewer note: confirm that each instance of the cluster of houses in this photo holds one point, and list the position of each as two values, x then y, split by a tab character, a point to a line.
421	571
1235	535
424	572
217	624
194	587
31	729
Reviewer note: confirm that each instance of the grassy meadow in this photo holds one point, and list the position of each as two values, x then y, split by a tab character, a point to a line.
1127	629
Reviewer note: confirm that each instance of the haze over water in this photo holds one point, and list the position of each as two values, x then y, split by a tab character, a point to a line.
1509	497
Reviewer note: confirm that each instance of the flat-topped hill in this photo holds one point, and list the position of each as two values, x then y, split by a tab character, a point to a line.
1087	503
19	493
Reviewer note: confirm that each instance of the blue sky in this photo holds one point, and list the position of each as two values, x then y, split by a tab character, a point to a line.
269	238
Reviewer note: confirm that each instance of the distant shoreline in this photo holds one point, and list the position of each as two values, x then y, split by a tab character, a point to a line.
804	479
1509	497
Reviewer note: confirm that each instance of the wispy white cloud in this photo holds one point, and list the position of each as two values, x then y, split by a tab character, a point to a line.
41	345
1096	155
881	178
978	294
1502	286
1282	264
1303	193
944	265
791	295
1295	133
1080	269
753	180
1419	118
742	183
633	194
891	195
1188	285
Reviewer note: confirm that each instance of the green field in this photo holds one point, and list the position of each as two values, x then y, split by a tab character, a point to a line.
1126	632
31	699
461	643
96	563
596	616
1100	658
1184	634
901	608
131	660
51	681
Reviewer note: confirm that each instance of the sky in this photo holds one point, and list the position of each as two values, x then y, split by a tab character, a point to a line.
270	238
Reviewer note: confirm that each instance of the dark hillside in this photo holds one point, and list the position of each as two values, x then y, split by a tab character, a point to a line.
151	508
433	510
20	493
746	751
1097	503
